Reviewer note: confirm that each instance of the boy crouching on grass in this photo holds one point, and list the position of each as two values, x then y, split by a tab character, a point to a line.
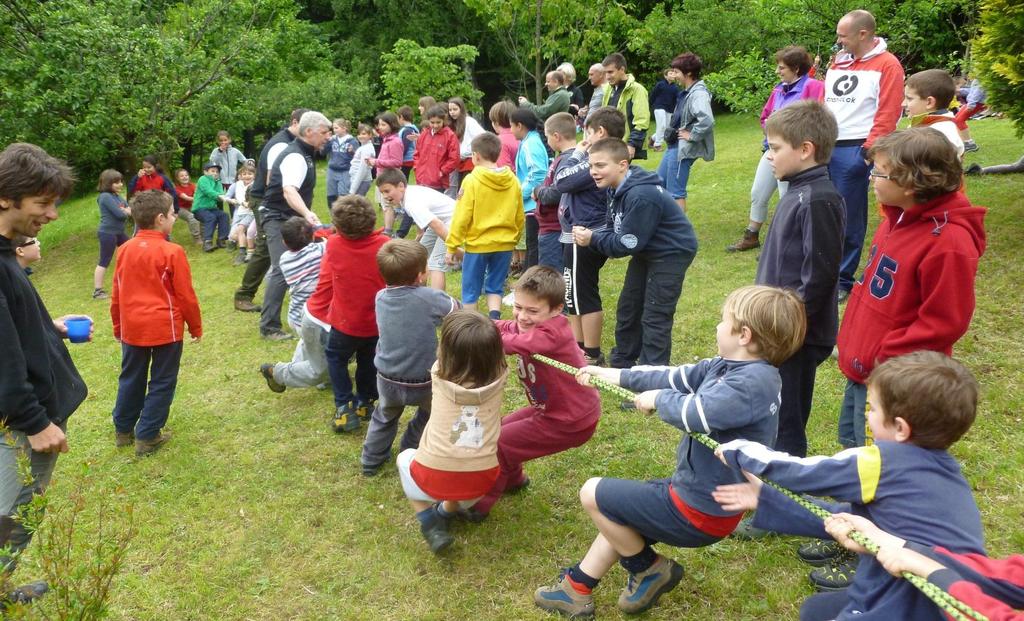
408	315
919	404
733	395
561	414
150	303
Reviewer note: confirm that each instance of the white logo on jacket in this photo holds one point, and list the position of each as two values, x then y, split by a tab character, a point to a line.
468	431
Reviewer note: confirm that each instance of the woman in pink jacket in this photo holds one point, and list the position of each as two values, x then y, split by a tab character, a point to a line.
793	64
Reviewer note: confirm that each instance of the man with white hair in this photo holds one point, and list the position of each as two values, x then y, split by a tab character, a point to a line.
289	192
864	90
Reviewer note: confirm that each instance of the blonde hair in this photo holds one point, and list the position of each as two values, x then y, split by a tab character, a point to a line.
775	317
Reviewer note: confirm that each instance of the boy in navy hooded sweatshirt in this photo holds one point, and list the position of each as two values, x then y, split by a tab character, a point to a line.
647	225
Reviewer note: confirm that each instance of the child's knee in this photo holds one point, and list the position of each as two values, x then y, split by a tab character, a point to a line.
588	494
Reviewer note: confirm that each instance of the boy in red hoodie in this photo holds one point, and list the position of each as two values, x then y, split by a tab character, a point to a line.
351	265
917	291
562	414
437	151
150	303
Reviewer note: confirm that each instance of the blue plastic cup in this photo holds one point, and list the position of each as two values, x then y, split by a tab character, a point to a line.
78	329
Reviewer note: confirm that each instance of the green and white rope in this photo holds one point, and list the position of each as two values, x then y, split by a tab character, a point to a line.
949	604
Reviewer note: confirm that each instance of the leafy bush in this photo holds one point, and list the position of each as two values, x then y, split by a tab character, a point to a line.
412	71
745	82
999	57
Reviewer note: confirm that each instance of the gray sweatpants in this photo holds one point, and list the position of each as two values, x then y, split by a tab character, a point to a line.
384	422
309	363
15	491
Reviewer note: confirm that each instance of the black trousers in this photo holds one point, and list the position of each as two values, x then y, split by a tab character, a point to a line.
647	308
798	375
259	262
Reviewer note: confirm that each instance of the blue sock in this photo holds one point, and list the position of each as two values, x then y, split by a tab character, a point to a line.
494	314
578	576
639	562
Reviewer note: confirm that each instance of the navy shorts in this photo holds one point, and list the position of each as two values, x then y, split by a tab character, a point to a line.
109	242
487	270
647	508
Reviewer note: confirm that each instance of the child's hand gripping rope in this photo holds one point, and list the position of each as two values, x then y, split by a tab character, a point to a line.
607	380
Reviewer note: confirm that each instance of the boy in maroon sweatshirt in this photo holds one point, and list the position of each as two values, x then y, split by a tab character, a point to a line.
562	414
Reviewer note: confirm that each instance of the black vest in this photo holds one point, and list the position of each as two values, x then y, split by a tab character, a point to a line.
277	207
259	184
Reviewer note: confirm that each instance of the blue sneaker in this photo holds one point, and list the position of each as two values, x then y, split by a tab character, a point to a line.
643	589
564	599
345	419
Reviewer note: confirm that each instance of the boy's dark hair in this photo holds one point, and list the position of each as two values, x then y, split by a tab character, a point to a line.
405	113
469	353
391	119
796	58
688	63
28	170
525	117
487	146
807	120
296	115
614	147
543	283
296	233
934	83
353	216
936	395
921	159
561	123
610	119
401	261
615	59
146	206
501	113
776	318
391	176
437	111
107	180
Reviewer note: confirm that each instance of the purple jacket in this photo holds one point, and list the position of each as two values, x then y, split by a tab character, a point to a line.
784	94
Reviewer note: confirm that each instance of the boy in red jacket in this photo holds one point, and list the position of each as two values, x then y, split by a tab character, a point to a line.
152	300
351	265
437	151
917	291
562	414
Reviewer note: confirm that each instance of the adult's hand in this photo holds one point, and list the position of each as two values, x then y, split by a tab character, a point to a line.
49	440
62	327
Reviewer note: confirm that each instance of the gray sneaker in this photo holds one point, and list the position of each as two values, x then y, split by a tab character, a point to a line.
746	529
565	600
643	589
276	335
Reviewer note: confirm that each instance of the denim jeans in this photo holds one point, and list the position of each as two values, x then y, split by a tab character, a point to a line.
550	250
674	172
15	491
340	349
383	427
849	173
213	219
852	419
140	409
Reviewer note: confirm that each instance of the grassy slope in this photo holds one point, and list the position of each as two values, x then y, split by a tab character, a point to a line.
257	511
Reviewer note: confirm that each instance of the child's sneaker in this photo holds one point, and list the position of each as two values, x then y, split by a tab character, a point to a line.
746	530
819	552
99	294
364	409
643	589
471	515
595	361
436	533
345	419
267	371
562	598
837	574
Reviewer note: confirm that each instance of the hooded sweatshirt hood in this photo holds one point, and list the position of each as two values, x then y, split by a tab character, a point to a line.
496	179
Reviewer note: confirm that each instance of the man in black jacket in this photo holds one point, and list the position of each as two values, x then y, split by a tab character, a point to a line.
39	384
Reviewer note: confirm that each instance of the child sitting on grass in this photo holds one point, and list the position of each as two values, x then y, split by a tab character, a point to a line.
150	304
408	315
561	414
730	396
456	461
907	482
242	216
351	264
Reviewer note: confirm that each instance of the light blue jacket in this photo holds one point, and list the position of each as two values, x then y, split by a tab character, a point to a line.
531	167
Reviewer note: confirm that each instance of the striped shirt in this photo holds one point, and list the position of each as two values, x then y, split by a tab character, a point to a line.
301	270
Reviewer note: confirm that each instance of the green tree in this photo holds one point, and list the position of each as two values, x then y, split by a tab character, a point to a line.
411	70
999	57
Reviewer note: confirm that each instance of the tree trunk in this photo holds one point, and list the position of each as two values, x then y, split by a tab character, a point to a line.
186	155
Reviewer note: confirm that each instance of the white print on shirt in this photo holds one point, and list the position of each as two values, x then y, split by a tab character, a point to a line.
468	431
852	96
527	372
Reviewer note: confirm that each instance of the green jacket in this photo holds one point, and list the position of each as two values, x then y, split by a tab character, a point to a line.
633	103
556	102
208	193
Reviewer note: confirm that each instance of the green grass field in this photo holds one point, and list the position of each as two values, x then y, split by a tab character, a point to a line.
256	510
